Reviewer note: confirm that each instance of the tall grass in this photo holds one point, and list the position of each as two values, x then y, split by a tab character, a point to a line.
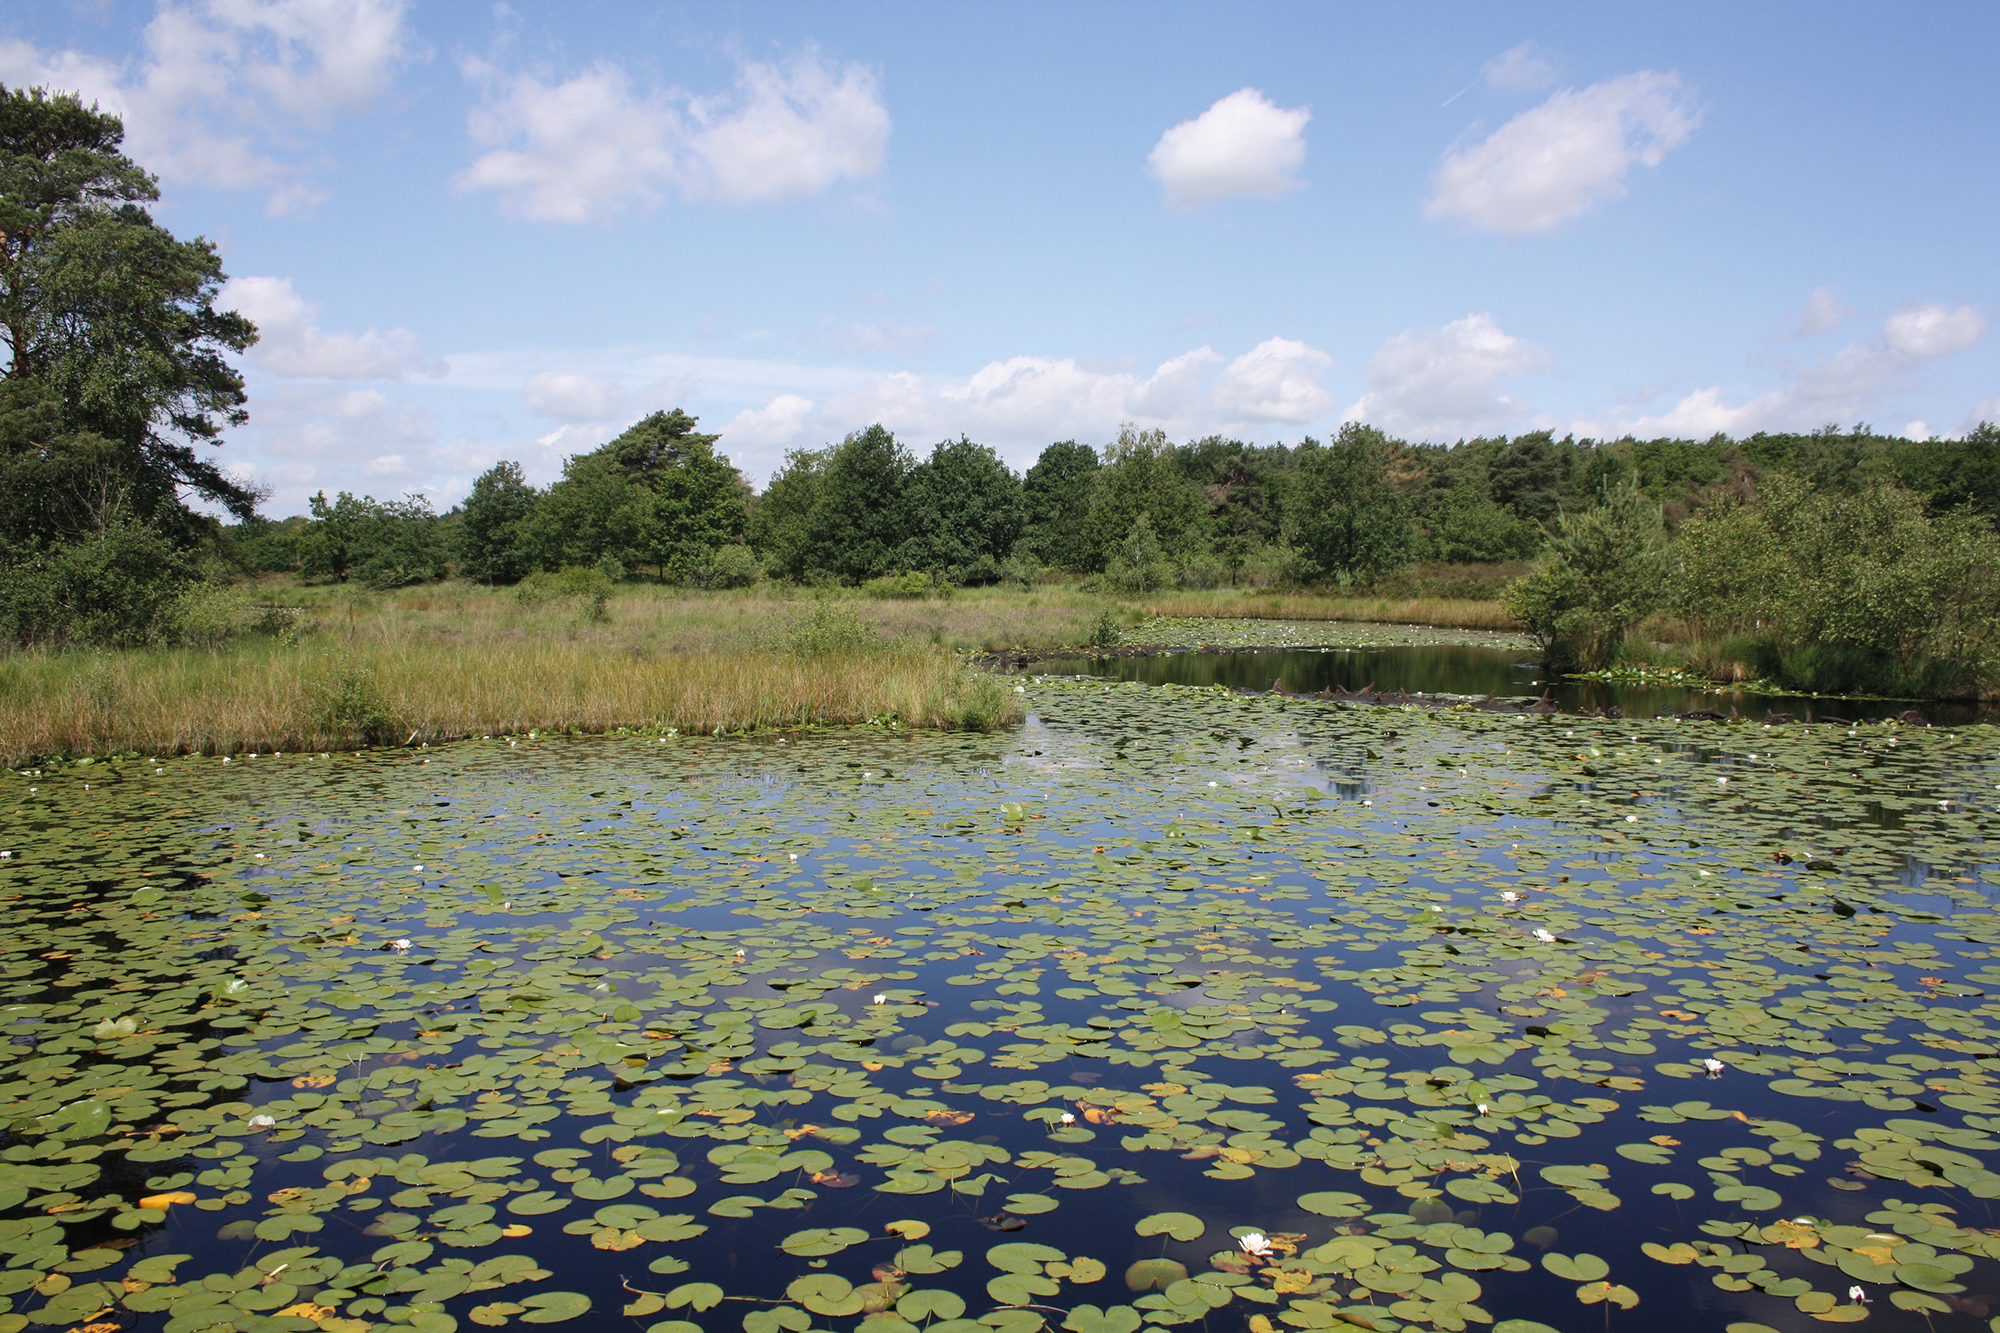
1445	613
266	696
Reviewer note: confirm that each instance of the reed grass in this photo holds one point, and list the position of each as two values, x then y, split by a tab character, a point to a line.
267	696
1444	613
453	660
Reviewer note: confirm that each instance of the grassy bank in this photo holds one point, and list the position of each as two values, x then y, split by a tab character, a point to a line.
342	691
429	664
1447	613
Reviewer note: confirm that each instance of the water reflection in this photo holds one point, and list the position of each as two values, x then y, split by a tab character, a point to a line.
1476	672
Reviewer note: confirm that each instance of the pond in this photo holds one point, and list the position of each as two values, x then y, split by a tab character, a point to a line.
1474	671
1171	1008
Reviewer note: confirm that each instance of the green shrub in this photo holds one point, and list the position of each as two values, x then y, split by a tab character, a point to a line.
587	587
731	566
1139	566
1106	632
107	590
344	700
909	585
1605	572
829	629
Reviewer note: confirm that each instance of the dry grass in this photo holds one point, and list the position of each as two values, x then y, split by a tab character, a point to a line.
1228	604
457	660
265	696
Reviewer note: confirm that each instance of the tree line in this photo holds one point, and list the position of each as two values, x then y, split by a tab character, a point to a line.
1141	514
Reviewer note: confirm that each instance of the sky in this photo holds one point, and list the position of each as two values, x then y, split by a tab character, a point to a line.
471	233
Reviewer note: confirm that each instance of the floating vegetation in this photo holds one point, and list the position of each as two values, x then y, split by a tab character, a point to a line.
1174	1007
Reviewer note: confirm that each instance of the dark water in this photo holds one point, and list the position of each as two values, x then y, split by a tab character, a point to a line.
1476	672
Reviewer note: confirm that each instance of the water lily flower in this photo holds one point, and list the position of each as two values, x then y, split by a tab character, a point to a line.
1484	1108
1510	897
6	856
882	999
1722	782
793	855
263	1121
1631	819
1255	1244
1713	1066
418	869
1066	1118
1544	936
741	954
1858	1294
401	946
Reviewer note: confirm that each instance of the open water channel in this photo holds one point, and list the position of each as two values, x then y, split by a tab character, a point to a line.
1172	1008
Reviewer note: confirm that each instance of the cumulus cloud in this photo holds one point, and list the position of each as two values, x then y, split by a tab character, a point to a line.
1933	330
1564	157
592	147
1521	70
1841	387
1243	145
1443	383
291	343
224	89
1824	313
778	422
571	395
1020	404
1277	380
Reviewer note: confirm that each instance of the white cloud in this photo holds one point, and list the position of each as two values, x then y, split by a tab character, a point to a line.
591	147
1566	156
1443	383
1985	410
1842	387
224	88
571	395
1243	145
1278	380
1521	70
1824	313
1934	330
1020	404
1917	430
779	422
291	343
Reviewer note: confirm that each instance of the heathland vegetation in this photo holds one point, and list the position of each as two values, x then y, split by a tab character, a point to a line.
146	603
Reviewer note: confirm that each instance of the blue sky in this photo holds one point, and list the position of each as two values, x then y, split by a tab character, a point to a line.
474	232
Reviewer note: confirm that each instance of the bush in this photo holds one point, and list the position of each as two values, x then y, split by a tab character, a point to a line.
588	588
1106	632
731	566
904	586
1606	572
1862	592
344	700
829	629
107	590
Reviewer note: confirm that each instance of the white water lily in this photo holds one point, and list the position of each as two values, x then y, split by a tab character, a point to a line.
1066	1118
1254	1243
402	946
418	869
263	1121
1858	1294
1510	897
882	999
1484	1108
1713	1065
1543	936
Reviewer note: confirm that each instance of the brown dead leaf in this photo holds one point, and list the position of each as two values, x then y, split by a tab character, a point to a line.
834	1180
948	1117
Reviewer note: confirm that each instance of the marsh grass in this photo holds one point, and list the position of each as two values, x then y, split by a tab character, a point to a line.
451	660
1445	613
330	695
